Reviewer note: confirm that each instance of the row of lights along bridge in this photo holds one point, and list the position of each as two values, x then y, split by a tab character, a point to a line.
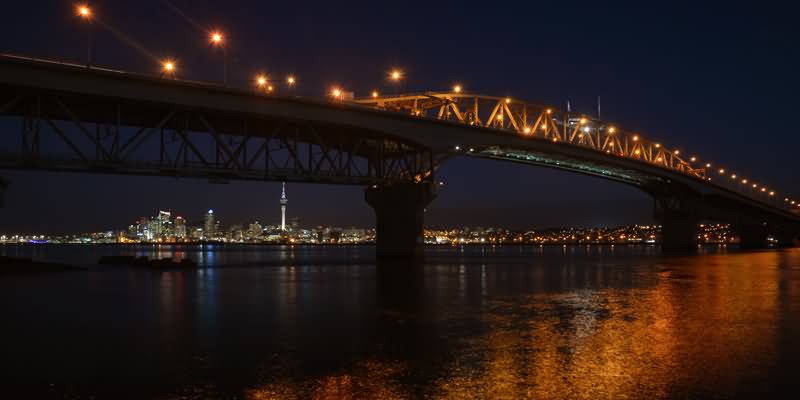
169	68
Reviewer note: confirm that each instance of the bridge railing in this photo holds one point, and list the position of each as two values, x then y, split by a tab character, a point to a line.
551	124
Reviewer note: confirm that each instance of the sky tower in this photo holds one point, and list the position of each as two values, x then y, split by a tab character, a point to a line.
284	201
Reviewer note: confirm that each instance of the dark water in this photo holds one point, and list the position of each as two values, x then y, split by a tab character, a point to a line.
480	322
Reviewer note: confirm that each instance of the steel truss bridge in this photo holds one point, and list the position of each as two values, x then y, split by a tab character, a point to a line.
65	117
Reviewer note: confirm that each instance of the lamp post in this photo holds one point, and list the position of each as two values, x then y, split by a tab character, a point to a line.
218	39
86	13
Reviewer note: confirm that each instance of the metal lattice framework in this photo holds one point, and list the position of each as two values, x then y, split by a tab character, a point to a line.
550	124
79	133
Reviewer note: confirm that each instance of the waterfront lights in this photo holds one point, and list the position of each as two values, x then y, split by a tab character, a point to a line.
721	171
744	181
261	81
374	94
733	176
457	88
290	80
336	92
458	148
708	165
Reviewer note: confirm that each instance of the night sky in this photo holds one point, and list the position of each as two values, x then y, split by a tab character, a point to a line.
717	81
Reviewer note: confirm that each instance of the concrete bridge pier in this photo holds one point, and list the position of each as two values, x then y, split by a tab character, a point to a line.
3	187
399	216
787	238
753	236
678	232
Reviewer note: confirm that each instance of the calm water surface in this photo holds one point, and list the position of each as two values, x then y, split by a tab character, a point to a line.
480	322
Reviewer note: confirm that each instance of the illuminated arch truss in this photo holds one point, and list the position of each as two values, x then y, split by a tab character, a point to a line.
558	126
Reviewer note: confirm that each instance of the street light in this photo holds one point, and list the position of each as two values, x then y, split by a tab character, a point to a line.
85	12
217	39
261	81
168	68
290	80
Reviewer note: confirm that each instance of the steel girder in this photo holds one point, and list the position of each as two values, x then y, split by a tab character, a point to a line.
59	131
550	124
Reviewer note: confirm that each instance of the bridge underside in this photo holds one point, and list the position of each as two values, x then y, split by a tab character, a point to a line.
58	131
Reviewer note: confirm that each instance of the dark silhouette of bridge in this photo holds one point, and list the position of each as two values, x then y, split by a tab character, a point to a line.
96	120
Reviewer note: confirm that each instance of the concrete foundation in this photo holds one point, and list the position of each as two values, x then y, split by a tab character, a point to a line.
787	239
3	187
399	216
753	237
679	232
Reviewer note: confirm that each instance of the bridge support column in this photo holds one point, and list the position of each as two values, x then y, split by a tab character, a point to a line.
753	237
678	232
3	187
399	215
786	238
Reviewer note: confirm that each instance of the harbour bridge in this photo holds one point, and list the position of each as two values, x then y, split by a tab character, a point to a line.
70	117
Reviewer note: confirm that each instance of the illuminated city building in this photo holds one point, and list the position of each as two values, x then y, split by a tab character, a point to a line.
284	202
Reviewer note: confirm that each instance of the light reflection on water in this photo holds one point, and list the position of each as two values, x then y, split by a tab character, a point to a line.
492	322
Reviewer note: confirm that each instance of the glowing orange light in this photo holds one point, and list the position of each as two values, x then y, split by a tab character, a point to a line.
336	92
549	111
216	37
168	66
290	80
637	152
677	152
261	80
721	171
84	11
658	145
374	94
583	120
457	88
396	75
612	130
693	159
636	138
508	100
527	130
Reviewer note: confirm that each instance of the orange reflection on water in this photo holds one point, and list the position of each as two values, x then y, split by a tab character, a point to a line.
694	327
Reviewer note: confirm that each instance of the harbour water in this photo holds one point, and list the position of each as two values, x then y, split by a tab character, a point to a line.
264	322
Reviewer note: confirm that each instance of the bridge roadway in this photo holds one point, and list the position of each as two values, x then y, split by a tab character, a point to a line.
73	118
